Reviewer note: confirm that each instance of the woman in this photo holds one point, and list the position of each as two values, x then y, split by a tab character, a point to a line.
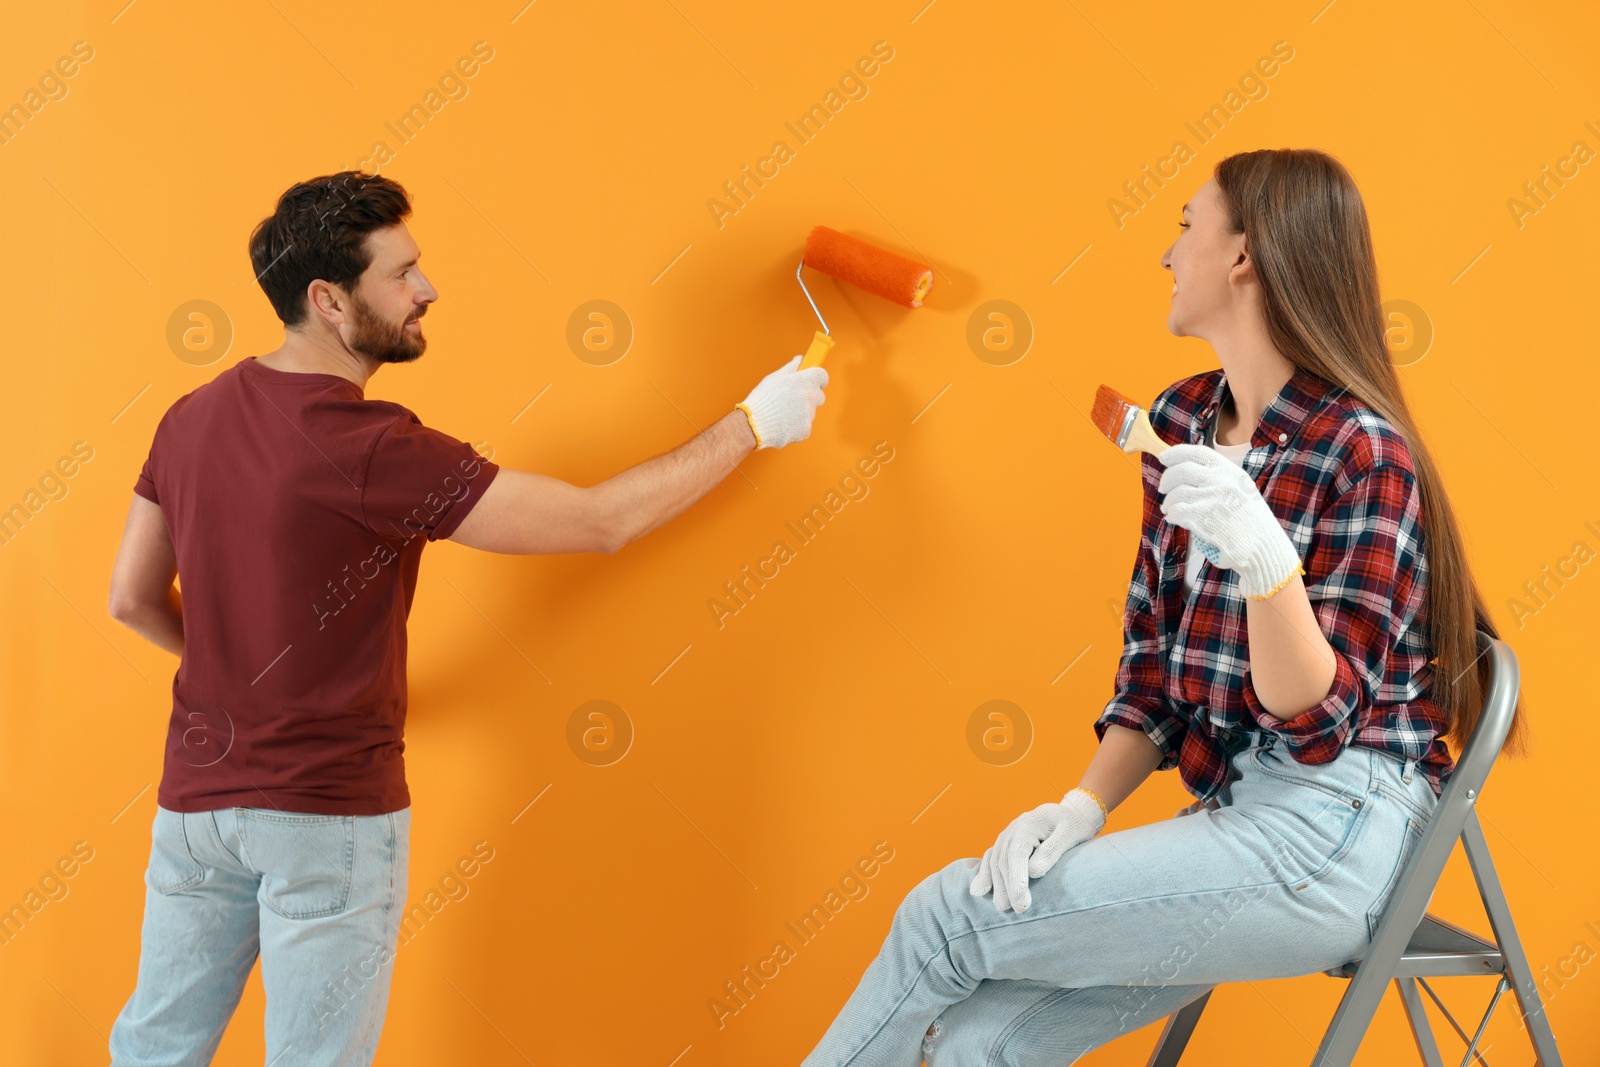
1304	676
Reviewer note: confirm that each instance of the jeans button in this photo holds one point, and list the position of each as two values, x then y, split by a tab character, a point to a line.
1355	803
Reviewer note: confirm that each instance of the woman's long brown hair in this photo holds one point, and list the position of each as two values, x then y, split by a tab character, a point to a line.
1306	229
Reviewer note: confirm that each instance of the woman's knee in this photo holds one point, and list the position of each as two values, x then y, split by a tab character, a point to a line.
933	927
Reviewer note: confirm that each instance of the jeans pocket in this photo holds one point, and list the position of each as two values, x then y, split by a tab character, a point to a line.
172	867
1413	805
306	861
1326	778
1408	843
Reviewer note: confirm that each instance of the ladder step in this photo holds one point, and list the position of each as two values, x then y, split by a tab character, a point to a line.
1440	948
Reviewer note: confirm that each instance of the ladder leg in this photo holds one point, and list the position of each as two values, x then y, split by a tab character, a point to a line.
1175	1035
1518	970
1354	1014
1417	1015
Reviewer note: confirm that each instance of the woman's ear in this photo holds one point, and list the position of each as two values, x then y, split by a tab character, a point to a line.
1243	268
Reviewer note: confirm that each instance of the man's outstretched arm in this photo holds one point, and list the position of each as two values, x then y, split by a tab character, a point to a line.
523	512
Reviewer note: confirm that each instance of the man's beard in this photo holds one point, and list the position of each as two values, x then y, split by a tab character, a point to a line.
377	339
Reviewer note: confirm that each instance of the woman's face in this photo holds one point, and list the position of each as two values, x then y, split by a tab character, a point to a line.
1204	261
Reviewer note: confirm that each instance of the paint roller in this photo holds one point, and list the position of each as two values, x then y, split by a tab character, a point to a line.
865	266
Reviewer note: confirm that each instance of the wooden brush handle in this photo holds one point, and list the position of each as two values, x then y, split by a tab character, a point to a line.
1142	436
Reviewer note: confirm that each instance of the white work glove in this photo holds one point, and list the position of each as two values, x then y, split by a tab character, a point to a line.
1031	845
781	407
1217	501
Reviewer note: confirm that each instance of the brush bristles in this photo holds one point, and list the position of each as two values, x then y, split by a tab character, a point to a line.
1110	412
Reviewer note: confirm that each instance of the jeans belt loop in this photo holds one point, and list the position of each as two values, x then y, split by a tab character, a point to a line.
1408	770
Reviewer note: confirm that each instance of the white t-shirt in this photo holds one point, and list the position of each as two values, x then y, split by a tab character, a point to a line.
1191	569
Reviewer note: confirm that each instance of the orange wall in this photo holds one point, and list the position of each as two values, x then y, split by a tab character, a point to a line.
991	553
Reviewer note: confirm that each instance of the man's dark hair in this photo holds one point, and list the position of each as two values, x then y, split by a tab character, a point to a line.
319	230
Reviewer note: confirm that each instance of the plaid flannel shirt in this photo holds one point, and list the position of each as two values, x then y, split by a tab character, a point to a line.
1339	478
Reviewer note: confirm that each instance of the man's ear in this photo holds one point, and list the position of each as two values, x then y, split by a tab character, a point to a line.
328	301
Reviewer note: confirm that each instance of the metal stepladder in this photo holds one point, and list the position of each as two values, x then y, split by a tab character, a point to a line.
1411	945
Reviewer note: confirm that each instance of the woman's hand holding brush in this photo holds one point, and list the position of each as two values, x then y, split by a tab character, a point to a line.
1216	500
781	407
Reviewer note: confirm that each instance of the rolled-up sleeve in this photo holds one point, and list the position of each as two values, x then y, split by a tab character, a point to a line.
1362	579
1140	701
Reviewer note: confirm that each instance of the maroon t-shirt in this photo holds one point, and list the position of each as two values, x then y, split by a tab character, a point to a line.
295	506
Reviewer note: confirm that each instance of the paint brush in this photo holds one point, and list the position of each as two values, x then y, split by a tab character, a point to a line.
1127	425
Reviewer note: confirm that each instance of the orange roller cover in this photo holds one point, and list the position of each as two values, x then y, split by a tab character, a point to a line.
868	267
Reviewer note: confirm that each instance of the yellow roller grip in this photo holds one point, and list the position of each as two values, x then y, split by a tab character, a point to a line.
820	344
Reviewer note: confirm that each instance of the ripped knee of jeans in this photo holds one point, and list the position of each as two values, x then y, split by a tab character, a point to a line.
928	1038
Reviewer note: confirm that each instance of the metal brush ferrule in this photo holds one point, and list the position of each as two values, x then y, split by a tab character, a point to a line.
1128	419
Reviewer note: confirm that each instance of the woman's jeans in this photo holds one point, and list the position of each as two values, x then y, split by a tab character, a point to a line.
318	897
1287	876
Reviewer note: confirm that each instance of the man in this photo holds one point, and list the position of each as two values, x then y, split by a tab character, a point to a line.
295	511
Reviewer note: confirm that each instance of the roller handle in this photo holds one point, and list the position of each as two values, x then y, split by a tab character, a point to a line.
820	345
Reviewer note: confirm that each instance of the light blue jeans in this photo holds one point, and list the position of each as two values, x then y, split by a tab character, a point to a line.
318	897
1287	876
